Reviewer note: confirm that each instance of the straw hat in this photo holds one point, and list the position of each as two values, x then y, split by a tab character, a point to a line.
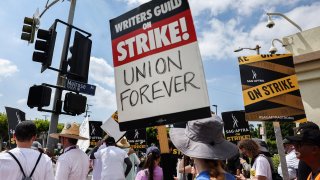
123	143
69	131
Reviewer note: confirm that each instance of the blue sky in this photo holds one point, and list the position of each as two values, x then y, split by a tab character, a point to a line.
221	27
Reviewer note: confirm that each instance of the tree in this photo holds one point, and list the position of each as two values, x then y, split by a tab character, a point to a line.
152	136
42	125
3	128
286	130
254	132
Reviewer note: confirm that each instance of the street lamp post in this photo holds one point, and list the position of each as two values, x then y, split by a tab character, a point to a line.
263	124
257	49
270	23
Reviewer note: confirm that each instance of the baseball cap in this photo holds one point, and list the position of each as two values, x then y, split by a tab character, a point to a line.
307	132
154	150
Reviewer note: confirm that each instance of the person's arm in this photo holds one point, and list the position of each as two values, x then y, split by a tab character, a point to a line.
95	149
136	159
246	166
129	166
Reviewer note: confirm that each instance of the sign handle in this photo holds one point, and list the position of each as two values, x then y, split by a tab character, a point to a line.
163	139
277	131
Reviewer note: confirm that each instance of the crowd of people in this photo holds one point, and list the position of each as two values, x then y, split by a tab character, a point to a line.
207	155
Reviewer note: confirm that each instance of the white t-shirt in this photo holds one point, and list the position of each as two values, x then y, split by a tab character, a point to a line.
97	166
73	164
292	165
10	170
261	167
112	162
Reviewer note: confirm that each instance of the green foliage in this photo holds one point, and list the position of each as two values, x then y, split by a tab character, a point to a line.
60	127
152	136
3	126
272	145
254	132
42	125
276	160
286	129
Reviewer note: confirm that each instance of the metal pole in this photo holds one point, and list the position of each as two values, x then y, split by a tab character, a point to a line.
277	131
263	124
58	92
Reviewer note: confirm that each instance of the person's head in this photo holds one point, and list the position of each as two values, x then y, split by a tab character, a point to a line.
110	141
25	132
37	146
123	143
216	167
307	142
69	135
249	147
263	147
152	160
203	141
288	146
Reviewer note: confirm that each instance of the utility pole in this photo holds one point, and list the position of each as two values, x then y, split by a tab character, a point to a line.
58	92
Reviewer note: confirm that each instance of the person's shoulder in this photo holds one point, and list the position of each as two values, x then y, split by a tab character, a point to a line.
4	155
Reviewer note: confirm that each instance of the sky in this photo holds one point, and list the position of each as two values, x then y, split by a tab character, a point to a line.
221	27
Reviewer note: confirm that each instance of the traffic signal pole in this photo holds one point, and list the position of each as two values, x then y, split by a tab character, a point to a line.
58	92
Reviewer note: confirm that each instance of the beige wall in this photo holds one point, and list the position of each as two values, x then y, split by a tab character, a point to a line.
305	47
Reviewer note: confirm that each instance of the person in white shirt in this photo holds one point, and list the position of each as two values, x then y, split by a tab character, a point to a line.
73	164
112	160
97	165
25	134
125	145
291	158
261	168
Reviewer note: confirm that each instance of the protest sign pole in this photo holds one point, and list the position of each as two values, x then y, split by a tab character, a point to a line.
284	168
163	139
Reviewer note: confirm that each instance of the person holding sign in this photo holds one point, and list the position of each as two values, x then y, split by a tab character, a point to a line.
203	141
112	159
307	145
125	145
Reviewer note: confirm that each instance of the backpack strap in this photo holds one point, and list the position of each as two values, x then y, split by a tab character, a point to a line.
36	164
24	175
14	157
271	167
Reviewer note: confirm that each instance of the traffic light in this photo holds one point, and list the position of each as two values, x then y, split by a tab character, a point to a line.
44	47
74	103
39	96
80	59
28	29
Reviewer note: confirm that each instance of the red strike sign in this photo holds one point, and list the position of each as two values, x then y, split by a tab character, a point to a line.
164	35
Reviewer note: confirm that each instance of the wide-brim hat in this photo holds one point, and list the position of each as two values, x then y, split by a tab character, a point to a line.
203	139
123	143
69	131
